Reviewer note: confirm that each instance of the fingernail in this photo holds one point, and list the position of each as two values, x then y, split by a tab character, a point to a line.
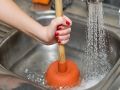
59	41
58	27
68	23
57	37
56	33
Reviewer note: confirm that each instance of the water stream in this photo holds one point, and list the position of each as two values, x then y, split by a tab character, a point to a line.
96	52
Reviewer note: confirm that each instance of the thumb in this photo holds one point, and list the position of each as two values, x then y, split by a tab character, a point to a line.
58	21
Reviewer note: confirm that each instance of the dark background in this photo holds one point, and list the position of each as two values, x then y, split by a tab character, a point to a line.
113	2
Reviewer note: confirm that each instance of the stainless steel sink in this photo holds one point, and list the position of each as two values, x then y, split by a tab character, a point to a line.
19	52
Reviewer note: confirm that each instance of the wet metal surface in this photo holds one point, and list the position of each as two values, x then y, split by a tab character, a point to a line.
36	57
17	55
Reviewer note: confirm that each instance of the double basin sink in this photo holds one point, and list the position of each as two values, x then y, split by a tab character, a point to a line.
19	52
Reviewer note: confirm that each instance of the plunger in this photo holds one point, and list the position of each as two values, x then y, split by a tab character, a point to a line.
62	73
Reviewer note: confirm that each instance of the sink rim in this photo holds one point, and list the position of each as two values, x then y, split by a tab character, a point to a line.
115	31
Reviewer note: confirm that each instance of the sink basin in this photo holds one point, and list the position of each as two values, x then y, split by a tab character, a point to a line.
24	56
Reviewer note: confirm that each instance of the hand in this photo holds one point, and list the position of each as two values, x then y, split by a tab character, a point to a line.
59	30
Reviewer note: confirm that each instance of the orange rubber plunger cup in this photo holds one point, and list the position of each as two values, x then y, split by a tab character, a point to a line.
41	1
62	73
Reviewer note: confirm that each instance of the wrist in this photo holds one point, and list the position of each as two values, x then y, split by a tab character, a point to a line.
43	35
49	35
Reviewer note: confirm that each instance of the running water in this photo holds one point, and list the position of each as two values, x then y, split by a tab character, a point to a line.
96	64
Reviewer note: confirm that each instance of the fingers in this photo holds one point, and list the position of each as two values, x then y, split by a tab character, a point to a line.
63	26
68	21
64	41
64	32
58	21
63	36
62	21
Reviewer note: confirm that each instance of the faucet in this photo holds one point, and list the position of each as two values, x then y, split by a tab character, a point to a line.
119	16
94	1
91	1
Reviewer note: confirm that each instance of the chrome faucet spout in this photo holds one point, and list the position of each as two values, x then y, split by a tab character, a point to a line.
94	1
119	16
91	1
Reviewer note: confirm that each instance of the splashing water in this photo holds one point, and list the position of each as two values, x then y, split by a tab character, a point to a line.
38	78
96	52
35	77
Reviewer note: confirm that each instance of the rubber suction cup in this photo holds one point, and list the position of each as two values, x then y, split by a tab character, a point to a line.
59	76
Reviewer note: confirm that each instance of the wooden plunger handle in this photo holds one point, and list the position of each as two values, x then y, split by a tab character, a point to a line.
59	12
